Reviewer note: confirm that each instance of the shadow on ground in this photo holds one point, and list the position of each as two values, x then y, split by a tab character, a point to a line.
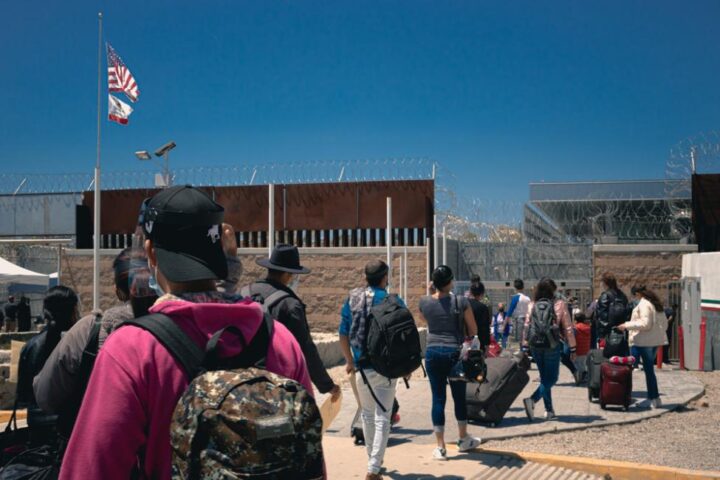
485	463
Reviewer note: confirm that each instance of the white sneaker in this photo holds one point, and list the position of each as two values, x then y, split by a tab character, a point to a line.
439	454
655	403
468	443
550	416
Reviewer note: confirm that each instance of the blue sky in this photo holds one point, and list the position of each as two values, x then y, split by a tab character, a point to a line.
502	93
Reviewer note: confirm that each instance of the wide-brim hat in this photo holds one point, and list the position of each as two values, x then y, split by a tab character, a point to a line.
284	258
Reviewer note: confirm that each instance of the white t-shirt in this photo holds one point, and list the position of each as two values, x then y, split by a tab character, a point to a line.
521	309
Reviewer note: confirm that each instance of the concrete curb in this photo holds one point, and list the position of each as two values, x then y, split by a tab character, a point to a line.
563	429
616	469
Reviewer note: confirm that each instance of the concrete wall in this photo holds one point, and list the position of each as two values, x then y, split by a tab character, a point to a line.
707	267
38	214
652	265
334	272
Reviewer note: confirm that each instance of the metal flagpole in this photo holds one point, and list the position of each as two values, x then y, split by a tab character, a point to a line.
96	237
271	219
388	238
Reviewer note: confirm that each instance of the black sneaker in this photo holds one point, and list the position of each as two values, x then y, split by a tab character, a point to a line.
529	408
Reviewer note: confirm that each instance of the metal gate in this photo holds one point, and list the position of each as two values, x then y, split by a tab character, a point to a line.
674	301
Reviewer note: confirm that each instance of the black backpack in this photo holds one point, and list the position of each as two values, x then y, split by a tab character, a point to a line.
543	332
618	312
616	344
392	344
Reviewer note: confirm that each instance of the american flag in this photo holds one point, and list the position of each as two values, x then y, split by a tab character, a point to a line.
119	77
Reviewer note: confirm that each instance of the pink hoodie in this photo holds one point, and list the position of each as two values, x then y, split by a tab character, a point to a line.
125	418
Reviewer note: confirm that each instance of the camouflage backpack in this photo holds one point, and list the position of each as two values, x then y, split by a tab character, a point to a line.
236	419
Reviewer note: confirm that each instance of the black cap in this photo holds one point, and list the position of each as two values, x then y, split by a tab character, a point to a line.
285	258
376	269
185	226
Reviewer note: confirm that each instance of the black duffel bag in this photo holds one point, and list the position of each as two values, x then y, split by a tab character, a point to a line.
616	344
21	463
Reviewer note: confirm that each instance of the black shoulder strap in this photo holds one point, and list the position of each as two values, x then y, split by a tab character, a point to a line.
267	303
90	351
276	297
460	315
254	354
69	412
180	346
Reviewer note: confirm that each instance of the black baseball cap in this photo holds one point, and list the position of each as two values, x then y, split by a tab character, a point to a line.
185	226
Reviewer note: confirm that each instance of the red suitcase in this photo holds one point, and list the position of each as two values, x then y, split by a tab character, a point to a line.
615	385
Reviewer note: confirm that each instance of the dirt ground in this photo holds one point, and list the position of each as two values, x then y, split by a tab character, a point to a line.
686	438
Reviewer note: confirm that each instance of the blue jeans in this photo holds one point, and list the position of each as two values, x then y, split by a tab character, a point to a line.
647	355
548	363
504	340
439	363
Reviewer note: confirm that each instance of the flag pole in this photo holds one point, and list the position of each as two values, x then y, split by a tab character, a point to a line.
96	236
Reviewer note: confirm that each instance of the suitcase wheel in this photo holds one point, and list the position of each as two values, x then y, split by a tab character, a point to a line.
590	395
603	406
626	408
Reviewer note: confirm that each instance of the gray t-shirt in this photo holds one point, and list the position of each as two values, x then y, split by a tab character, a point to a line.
444	317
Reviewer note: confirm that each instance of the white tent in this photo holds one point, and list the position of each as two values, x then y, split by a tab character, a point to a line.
11	273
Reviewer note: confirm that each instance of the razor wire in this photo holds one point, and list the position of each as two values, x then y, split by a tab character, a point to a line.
238	175
471	219
503	261
622	220
696	154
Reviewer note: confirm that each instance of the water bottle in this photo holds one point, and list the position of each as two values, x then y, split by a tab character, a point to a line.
464	351
475	344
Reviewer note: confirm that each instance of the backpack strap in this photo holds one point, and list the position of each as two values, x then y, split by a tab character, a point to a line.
276	297
365	380
174	339
68	415
254	354
460	316
267	303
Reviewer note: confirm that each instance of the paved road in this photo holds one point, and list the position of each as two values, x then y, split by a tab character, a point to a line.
571	405
408	461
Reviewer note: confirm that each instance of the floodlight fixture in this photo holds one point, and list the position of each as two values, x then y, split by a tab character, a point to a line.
143	155
162	151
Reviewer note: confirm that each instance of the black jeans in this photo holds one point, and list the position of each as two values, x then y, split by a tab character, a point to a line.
565	359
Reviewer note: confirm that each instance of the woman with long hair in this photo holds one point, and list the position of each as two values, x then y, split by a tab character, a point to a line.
548	358
607	313
450	320
647	331
60	311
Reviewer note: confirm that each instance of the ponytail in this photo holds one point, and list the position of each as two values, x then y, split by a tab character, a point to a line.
650	296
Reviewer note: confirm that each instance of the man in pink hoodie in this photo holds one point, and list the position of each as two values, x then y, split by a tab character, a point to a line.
123	428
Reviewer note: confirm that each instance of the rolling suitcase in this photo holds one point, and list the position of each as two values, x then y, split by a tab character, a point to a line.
594	360
488	402
615	385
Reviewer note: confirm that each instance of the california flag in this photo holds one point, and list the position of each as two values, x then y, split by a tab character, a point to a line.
118	111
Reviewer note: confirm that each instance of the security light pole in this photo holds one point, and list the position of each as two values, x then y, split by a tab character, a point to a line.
164	152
